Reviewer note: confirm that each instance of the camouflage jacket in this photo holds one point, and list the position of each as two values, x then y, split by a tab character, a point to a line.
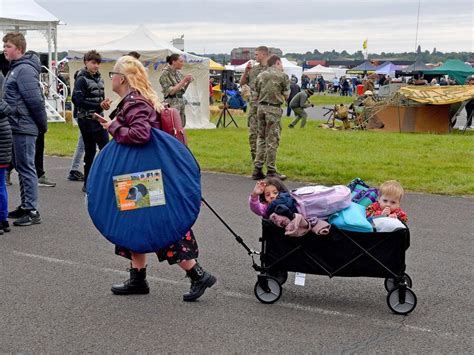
252	78
272	86
170	78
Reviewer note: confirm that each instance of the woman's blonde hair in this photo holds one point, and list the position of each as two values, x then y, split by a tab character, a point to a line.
138	80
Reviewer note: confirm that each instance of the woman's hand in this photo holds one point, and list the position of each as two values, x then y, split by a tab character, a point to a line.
106	124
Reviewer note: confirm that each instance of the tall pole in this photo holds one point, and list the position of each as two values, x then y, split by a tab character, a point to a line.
417	24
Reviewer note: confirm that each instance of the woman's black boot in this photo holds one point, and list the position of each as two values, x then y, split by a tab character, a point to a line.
136	285
200	280
5	226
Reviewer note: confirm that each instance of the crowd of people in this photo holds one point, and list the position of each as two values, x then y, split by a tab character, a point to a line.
23	125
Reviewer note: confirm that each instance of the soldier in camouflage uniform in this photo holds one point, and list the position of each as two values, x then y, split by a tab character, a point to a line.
272	87
250	77
174	84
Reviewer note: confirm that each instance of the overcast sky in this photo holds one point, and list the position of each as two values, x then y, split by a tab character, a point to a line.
217	26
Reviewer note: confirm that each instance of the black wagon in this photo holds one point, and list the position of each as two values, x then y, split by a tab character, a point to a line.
340	253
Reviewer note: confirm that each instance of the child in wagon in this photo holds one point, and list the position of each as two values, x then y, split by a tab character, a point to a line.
388	204
271	199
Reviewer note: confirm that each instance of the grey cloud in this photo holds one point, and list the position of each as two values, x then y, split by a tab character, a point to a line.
244	12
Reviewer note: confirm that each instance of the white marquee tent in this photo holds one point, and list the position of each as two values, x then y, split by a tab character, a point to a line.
327	73
153	55
27	15
289	68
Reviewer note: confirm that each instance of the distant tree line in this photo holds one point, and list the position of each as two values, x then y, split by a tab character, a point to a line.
426	56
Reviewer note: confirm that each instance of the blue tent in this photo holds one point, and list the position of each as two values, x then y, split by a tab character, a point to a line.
363	68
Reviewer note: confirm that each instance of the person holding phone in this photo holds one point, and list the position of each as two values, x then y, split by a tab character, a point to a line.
174	84
136	114
89	98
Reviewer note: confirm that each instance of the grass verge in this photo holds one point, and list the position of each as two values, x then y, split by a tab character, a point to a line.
421	162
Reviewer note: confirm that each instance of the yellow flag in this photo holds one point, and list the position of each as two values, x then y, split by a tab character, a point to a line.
364	45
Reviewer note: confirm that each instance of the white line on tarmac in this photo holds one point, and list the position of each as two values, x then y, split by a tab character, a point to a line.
237	295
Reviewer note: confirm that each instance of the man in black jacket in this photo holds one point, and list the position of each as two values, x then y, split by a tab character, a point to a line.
23	94
89	98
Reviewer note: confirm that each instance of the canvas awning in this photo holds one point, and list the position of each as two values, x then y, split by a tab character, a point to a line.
455	68
215	66
438	95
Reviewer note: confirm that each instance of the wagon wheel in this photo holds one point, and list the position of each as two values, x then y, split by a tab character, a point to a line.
399	304
280	276
390	282
267	290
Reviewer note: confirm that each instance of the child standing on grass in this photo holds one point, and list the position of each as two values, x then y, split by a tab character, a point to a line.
5	159
388	204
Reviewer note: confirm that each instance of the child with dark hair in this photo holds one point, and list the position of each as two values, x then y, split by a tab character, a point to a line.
263	199
88	97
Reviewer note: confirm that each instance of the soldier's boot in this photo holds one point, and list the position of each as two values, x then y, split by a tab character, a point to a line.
274	173
136	285
200	281
258	174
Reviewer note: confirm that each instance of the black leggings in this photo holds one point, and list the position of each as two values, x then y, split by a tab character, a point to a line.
94	136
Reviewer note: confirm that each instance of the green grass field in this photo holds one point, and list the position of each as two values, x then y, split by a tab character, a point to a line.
421	162
330	99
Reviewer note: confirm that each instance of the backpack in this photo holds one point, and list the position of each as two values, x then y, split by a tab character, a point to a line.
170	120
321	201
361	193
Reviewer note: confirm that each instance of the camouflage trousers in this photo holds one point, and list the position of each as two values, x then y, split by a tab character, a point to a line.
268	139
179	104
252	125
300	115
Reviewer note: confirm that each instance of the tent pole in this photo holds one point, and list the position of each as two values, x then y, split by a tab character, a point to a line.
50	64
56	44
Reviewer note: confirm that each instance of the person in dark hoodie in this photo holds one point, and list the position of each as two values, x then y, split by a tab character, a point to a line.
22	92
88	97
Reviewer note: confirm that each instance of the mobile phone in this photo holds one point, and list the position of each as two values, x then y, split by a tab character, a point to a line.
99	118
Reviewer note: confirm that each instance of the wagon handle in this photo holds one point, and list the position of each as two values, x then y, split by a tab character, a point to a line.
237	237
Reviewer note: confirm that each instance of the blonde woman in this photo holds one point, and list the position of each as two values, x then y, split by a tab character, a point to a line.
132	120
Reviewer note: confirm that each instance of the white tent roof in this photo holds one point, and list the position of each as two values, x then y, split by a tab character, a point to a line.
288	67
320	70
153	54
24	13
140	40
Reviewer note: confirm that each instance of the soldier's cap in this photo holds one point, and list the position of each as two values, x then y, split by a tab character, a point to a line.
368	92
310	91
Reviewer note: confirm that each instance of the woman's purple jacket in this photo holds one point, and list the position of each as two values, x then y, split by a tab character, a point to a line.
134	118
